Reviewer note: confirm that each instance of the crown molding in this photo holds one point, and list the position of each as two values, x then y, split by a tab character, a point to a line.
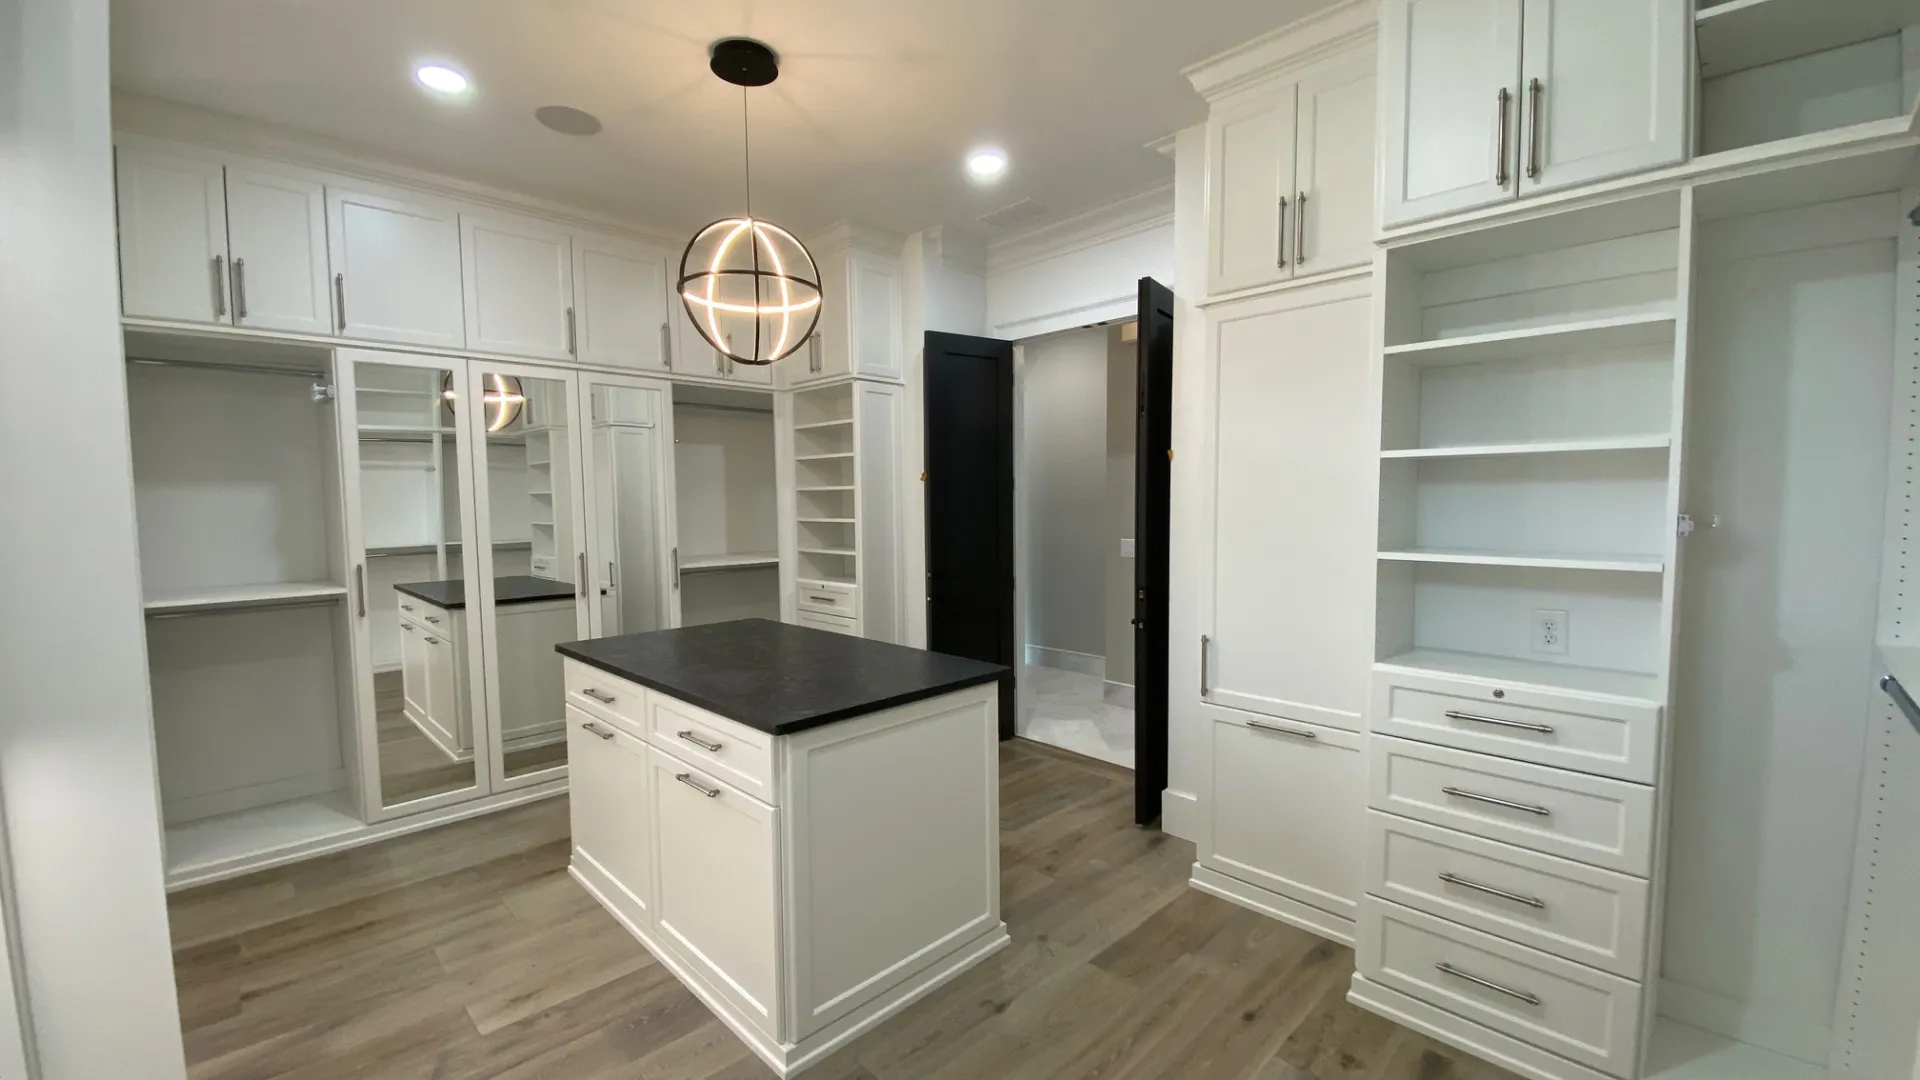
1163	145
1138	213
957	249
845	236
155	118
1328	32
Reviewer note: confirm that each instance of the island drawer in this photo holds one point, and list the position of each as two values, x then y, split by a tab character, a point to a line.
609	697
827	597
730	751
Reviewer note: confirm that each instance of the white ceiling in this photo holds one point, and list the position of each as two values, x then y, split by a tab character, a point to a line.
876	105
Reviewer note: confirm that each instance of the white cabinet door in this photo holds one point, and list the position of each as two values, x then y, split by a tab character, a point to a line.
1290	575
443	693
621	297
1288	811
414	652
611	807
1449	105
1603	87
717	886
875	296
173	236
396	266
1333	219
277	237
696	357
1250	152
518	274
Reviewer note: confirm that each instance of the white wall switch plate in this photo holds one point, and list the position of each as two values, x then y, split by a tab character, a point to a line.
1549	631
1126	547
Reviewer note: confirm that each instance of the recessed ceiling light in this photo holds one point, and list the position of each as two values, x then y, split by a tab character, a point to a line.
440	79
986	165
567	120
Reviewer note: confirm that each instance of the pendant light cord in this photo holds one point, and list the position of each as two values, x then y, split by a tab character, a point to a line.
753	227
746	144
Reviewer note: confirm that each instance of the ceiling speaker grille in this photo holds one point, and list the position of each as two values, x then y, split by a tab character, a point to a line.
1025	212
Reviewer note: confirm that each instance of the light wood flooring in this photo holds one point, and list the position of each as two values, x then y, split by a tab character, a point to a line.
466	952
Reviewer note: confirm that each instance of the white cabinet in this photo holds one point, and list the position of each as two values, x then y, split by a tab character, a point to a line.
1485	100
697	357
859	330
415	655
610	803
1290	178
623	298
173	236
277	243
396	268
518	278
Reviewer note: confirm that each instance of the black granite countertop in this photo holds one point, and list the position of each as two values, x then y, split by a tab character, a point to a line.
513	589
779	678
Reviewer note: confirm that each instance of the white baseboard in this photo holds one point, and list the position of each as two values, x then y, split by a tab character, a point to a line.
1745	1021
1067	660
1117	693
1180	815
1287	910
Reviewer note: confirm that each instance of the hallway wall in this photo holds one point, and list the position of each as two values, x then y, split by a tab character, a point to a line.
1122	375
1064	492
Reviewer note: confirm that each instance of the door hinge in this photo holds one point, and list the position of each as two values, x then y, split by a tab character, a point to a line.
1688	525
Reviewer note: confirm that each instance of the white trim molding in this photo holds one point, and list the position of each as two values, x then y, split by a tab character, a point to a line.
1297	45
1136	213
1067	660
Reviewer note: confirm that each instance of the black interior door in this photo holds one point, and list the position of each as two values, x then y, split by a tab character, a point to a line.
969	492
1153	476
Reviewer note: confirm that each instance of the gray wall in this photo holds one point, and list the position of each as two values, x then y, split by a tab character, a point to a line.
1063	428
1122	364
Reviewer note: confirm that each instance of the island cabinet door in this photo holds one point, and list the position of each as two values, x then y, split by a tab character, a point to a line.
612	809
717	891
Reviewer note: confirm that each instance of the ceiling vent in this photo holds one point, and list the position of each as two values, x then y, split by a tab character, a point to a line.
1025	212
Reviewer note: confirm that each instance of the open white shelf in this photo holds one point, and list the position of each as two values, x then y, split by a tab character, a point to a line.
825	521
217	597
822	457
818	424
1631	564
206	845
1741	34
1590	335
1509	671
1680	1052
1563	446
696	563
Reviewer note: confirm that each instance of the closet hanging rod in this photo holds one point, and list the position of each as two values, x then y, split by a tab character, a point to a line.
228	609
210	365
427	440
768	411
1901	698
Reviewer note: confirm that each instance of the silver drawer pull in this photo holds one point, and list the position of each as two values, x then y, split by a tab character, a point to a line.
433	641
600	696
406	607
1492	801
709	747
1518	995
687	779
1295	732
822	599
1467	883
598	730
433	620
1495	721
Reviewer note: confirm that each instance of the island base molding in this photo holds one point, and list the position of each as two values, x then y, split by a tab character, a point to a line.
1508	1053
1273	905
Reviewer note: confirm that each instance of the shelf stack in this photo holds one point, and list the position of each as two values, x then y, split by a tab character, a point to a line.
826	509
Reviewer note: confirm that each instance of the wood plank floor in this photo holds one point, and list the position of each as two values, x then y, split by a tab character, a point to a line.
466	952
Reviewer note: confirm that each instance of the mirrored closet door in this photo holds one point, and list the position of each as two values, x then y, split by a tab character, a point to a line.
410	517
630	531
531	569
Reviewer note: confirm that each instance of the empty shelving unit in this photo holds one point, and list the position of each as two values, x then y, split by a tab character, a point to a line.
846	529
727	562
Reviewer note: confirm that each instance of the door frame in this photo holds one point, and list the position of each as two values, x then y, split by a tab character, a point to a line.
667	525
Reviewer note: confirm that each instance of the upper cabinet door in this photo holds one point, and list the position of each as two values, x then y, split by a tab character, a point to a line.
1603	89
519	279
1449	106
1250	151
621	296
396	267
277	228
875	300
1333	218
173	237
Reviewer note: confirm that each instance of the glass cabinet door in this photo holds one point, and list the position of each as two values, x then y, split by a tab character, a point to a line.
409	513
629	527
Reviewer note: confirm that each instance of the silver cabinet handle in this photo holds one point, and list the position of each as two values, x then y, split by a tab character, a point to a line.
1500	177
573	339
340	300
1518	995
1467	883
704	744
408	627
598	730
1300	230
822	599
220	286
687	779
1204	642
1495	721
580	586
1277	730
600	696
239	289
814	363
360	588
1280	242
676	568
433	641
406	607
1534	91
1470	796
433	620
666	346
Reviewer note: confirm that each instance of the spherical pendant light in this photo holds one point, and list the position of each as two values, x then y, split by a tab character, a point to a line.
750	287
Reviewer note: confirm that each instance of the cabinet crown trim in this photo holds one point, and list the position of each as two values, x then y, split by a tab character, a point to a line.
1335	30
845	236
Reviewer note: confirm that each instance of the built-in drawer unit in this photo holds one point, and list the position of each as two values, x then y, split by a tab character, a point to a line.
729	751
837	623
1616	737
1573	1010
827	597
619	702
1569	909
1589	819
436	620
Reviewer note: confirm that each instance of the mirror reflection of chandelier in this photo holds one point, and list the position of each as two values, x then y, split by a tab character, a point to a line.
750	287
501	397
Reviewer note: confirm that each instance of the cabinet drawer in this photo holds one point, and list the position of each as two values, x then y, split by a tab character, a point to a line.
732	752
1586	1015
1595	735
613	699
839	624
1566	908
426	616
1288	811
828	597
1585	818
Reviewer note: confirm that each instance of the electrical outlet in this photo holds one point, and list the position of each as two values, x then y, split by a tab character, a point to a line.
1549	631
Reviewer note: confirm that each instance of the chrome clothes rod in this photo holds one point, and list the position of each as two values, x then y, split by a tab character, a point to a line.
251	369
1901	698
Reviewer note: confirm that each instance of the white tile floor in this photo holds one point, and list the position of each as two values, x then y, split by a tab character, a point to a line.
1066	709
